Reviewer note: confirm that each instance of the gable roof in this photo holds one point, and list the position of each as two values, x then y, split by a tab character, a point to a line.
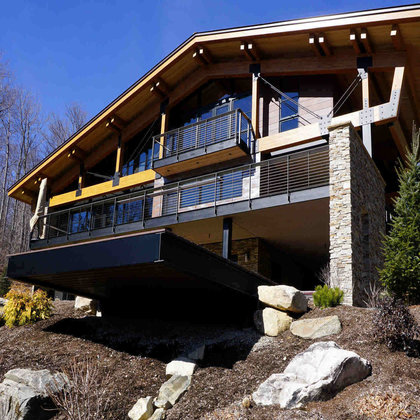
133	103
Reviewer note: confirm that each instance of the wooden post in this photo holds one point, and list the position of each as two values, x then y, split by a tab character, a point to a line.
366	128
118	162
163	130
81	180
255	106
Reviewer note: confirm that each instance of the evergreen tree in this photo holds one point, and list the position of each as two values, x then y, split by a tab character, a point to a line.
401	272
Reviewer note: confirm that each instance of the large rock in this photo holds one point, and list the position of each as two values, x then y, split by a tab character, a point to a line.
85	304
316	327
142	409
25	392
285	298
181	367
316	374
171	391
159	414
271	322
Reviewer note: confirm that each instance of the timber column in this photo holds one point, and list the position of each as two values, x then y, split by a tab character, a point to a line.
357	214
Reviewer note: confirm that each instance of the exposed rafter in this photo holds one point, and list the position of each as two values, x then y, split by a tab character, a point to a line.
355	42
396	38
77	154
250	50
364	37
323	43
202	55
313	42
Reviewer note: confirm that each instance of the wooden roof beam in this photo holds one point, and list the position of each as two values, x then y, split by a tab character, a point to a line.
117	122
396	38
160	88
323	43
77	154
202	55
250	50
313	42
364	37
354	39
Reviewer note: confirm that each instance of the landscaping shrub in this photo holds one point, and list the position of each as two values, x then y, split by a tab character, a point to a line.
23	307
87	396
401	272
326	297
396	327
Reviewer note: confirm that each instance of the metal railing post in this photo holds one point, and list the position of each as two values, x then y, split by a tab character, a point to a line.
144	208
177	201
215	192
288	176
114	215
91	218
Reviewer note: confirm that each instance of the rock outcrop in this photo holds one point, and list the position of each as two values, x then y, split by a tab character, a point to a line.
181	367
318	373
316	327
142	409
285	298
85	304
171	391
25	393
271	322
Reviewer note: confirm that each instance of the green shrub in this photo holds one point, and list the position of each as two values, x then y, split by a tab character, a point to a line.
5	283
23	307
325	297
401	272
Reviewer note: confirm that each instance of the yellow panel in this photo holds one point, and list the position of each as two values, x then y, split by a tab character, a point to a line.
103	188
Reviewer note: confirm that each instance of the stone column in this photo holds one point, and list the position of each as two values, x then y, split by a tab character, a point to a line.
357	214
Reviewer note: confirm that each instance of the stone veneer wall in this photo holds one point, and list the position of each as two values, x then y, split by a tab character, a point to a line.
357	214
250	253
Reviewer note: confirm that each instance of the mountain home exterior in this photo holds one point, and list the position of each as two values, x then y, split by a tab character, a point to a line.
273	147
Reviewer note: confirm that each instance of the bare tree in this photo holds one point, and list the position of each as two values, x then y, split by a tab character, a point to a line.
61	128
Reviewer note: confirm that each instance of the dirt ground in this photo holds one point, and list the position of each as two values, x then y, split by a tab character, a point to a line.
236	362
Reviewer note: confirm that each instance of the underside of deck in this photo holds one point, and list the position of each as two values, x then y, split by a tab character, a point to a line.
140	272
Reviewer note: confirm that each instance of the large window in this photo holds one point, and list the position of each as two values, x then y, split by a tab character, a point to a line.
289	112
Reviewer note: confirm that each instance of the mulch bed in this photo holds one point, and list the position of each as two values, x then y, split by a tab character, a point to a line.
237	361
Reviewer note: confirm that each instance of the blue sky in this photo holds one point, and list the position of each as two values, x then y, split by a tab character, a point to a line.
90	51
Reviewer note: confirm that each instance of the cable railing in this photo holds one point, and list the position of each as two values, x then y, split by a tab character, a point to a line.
280	175
230	125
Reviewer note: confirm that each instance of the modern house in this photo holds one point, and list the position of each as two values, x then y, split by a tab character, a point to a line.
251	155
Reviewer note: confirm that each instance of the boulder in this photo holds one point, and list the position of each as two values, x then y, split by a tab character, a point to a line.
159	414
25	392
316	327
285	298
142	409
181	367
171	391
85	304
318	373
271	322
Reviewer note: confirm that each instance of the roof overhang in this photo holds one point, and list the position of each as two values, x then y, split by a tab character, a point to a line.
140	106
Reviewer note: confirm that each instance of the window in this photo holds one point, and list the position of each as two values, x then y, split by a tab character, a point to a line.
289	112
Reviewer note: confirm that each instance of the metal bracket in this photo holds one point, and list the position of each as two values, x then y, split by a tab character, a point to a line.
324	124
362	73
366	116
395	94
116	180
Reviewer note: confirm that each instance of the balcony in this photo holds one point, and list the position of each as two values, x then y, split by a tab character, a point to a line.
286	179
221	138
